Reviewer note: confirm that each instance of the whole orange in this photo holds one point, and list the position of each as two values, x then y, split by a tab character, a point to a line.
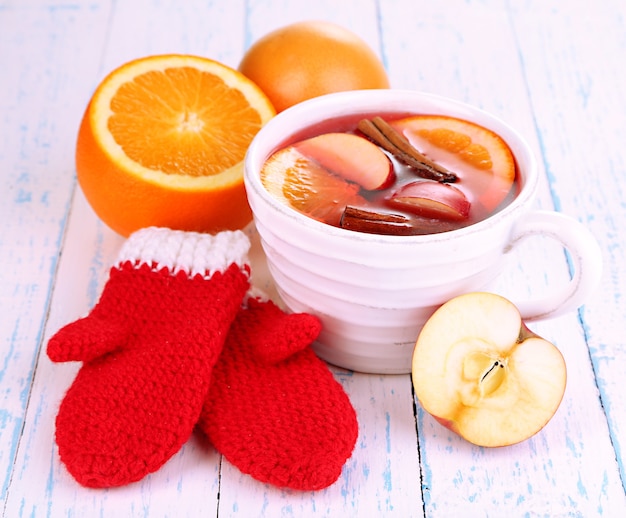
311	58
162	143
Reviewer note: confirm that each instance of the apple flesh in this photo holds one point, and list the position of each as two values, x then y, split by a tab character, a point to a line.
352	157
432	199
483	374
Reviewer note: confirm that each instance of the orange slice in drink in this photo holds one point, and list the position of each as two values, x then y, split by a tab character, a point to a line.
162	143
306	186
480	157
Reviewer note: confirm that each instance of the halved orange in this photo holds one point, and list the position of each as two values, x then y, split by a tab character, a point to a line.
479	156
162	143
306	186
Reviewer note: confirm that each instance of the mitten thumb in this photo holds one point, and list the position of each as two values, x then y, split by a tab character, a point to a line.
278	335
86	339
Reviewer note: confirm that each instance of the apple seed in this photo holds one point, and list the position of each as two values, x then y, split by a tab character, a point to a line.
491	380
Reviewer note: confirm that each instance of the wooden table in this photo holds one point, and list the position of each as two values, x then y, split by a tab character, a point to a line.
552	69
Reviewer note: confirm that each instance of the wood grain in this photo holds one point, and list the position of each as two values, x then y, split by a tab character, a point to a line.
553	70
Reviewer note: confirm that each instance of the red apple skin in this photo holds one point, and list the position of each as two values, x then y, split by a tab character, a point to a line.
445	422
432	200
449	424
352	157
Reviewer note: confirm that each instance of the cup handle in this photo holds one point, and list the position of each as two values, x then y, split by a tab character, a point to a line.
586	259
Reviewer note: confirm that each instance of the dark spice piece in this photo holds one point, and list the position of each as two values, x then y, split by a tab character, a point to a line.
361	220
384	135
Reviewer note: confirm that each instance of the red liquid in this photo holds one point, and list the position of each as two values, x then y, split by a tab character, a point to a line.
472	181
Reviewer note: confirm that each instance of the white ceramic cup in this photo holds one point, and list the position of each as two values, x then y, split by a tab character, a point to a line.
373	293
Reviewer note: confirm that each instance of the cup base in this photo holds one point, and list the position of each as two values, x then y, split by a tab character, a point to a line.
383	364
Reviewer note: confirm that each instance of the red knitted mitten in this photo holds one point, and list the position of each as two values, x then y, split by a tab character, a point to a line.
274	409
149	347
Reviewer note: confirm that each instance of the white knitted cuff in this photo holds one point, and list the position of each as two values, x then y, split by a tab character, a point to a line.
192	252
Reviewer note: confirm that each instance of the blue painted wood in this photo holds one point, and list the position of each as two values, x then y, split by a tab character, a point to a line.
554	70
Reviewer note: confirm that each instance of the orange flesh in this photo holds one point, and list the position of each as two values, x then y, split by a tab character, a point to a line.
197	132
308	187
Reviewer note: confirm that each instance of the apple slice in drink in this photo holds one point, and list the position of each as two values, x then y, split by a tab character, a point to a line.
482	373
352	157
432	200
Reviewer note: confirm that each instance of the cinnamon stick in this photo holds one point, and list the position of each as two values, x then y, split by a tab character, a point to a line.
361	220
384	135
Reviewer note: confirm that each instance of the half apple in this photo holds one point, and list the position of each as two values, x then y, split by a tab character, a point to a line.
482	373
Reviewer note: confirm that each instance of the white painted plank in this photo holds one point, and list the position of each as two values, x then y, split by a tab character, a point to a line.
577	91
39	107
360	17
145	27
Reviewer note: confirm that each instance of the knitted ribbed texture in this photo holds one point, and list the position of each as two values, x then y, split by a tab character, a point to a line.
274	409
148	348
